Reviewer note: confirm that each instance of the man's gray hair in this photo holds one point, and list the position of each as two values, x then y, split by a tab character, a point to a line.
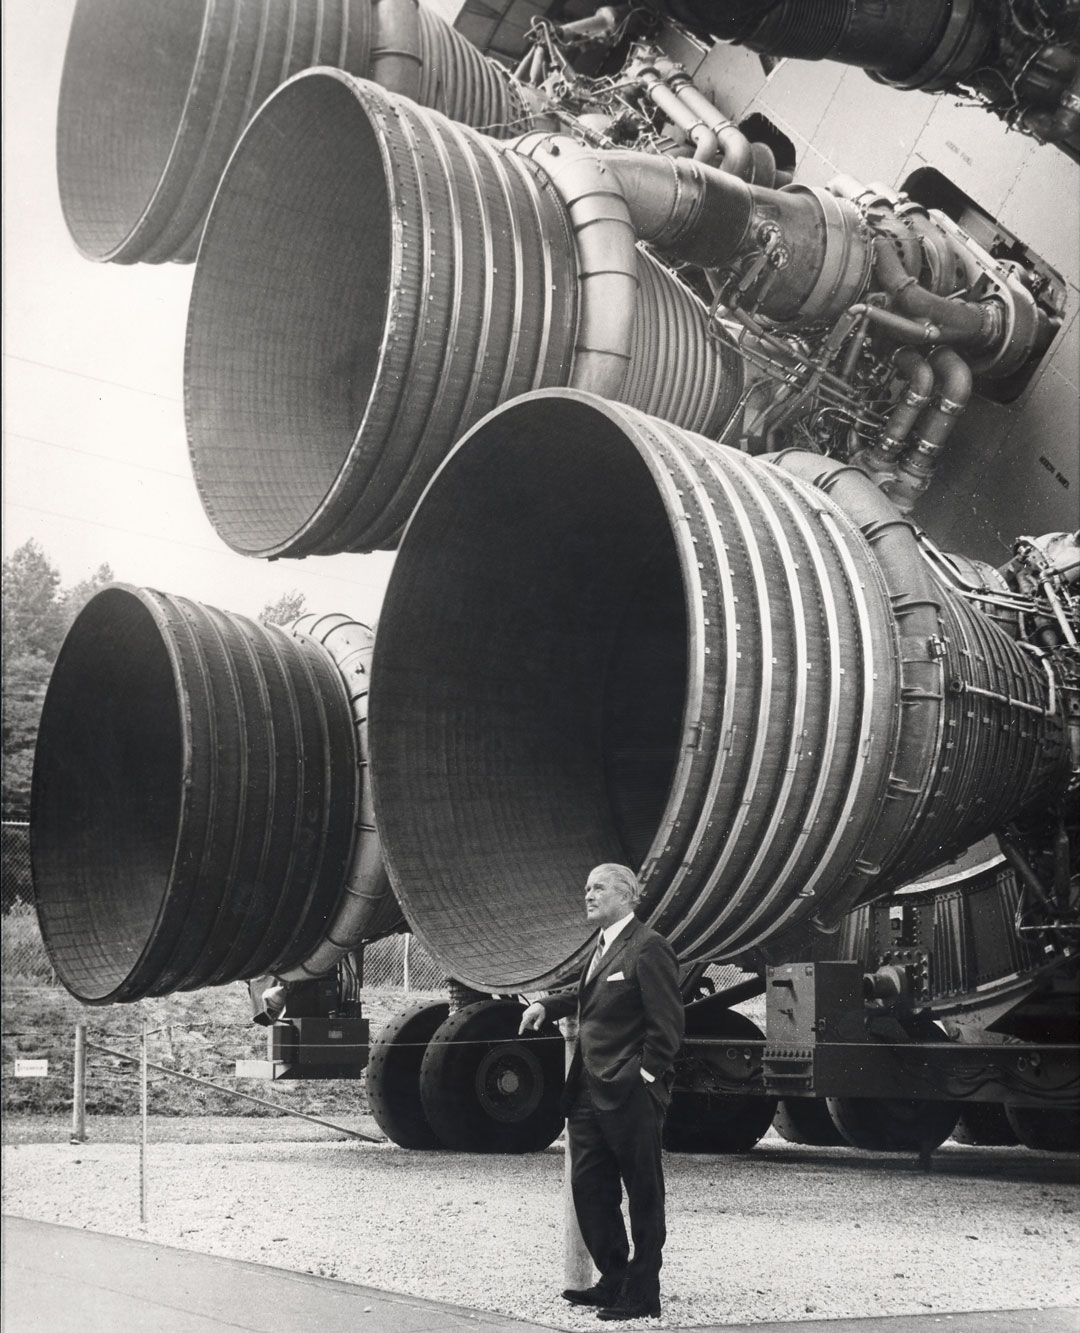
618	877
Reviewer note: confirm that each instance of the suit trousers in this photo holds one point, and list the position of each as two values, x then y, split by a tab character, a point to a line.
609	1148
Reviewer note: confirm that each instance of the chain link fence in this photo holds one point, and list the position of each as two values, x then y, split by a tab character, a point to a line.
23	955
401	963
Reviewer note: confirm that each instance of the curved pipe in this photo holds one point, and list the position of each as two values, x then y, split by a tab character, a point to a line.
366	907
763	167
607	256
680	113
898	328
154	98
953	382
194	801
879	459
969	323
701	215
686	208
680	657
373	278
736	152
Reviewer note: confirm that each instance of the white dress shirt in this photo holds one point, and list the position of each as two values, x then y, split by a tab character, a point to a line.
608	936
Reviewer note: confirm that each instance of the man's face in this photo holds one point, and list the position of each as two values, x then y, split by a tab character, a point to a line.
605	904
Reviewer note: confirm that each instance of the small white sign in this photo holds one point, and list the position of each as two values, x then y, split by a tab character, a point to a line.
31	1068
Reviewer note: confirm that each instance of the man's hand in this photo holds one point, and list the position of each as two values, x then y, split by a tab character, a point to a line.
532	1020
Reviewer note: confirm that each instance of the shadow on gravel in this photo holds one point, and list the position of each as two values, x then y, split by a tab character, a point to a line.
183	1129
1015	1165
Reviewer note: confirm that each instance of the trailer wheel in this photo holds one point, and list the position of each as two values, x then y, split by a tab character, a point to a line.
393	1076
484	1089
806	1120
700	1120
984	1125
1046	1129
893	1124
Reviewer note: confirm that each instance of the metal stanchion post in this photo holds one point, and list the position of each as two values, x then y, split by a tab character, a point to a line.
405	964
577	1265
78	1092
142	1136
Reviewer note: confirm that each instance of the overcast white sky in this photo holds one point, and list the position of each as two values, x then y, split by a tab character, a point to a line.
95	463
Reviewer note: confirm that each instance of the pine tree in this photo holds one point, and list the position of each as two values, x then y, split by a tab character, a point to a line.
37	613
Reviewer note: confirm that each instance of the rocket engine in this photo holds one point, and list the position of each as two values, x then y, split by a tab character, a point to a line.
645	420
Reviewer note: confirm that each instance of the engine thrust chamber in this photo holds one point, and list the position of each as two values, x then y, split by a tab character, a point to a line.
608	639
195	801
155	96
374	278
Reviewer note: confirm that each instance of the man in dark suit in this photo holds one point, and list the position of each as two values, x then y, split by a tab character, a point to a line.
630	1024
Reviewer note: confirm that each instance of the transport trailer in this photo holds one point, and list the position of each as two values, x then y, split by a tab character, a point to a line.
729	450
894	1059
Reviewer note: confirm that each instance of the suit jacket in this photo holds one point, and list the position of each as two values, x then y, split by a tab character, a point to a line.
630	1017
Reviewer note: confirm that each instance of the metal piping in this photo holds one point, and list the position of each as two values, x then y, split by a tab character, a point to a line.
607	259
366	908
685	658
194	801
679	111
878	460
154	98
396	60
374	278
968	323
736	151
701	215
953	382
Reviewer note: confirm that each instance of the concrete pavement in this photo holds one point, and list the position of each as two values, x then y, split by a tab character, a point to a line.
59	1279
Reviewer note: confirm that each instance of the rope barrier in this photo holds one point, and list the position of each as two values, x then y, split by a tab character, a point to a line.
235	1092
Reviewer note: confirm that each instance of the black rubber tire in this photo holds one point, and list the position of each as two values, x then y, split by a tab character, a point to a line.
1046	1129
893	1124
485	1089
708	1122
806	1120
984	1125
393	1075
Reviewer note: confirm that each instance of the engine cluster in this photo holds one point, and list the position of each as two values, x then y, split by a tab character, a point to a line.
1018	58
906	314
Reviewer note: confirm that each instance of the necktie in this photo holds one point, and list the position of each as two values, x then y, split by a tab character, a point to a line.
597	956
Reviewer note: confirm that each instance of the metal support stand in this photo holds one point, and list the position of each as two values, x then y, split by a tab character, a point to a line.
78	1092
142	1136
577	1264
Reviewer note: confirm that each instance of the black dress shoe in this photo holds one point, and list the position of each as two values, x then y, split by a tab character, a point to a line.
595	1295
630	1310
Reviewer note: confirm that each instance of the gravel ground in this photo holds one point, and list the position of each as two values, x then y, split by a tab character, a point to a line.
780	1233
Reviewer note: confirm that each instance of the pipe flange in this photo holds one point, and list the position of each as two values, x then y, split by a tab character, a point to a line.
845	268
956	54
